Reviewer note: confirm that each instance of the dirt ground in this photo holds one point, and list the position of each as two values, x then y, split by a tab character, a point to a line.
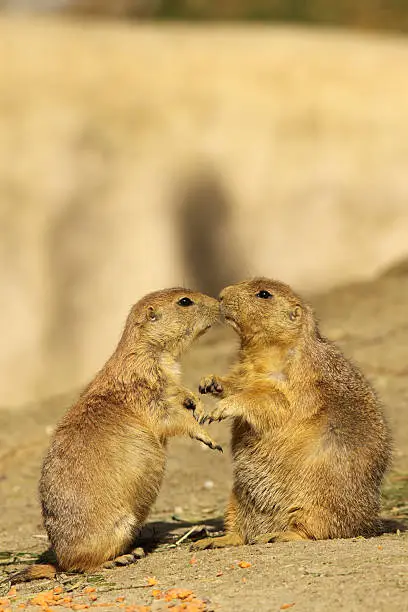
370	323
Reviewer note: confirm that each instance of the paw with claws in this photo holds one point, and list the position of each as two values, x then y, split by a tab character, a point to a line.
279	536
211	384
126	559
205	439
193	403
229	539
220	412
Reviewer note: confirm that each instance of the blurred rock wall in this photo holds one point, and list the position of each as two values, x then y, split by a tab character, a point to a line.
364	14
138	157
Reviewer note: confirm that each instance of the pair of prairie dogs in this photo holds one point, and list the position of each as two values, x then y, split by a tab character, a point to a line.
309	442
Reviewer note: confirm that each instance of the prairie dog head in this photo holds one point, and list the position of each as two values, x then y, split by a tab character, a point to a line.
171	319
264	312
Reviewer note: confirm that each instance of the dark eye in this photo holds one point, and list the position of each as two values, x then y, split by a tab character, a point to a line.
185	301
265	295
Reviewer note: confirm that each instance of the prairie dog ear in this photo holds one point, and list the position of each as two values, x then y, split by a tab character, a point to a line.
295	314
152	314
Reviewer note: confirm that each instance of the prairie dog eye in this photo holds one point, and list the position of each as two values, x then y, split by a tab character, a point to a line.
185	301
265	295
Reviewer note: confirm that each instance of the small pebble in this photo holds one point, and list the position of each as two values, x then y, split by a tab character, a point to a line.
208	484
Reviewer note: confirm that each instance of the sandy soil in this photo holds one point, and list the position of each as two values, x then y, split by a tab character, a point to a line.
370	323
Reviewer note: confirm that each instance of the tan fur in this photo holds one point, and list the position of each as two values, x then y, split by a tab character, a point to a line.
309	442
105	465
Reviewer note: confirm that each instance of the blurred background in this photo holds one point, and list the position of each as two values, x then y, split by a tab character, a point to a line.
148	143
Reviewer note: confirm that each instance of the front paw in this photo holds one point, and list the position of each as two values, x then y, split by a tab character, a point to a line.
190	401
220	412
205	439
229	539
211	384
193	403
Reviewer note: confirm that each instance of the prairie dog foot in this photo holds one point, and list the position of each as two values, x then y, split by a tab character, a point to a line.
279	536
230	539
207	440
196	431
211	384
223	410
193	403
126	559
181	421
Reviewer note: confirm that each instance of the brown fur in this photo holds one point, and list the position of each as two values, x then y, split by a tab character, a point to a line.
309	442
105	465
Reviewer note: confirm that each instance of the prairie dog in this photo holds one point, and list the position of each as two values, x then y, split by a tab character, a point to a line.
106	461
310	445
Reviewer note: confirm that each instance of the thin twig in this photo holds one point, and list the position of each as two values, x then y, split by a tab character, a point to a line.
188	533
123	588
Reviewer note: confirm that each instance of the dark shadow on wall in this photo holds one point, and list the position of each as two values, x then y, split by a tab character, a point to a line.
397	268
74	247
78	242
209	250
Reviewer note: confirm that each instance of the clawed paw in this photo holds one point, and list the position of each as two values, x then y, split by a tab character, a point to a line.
279	536
265	538
229	539
203	544
195	405
210	443
122	560
210	384
189	403
219	413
